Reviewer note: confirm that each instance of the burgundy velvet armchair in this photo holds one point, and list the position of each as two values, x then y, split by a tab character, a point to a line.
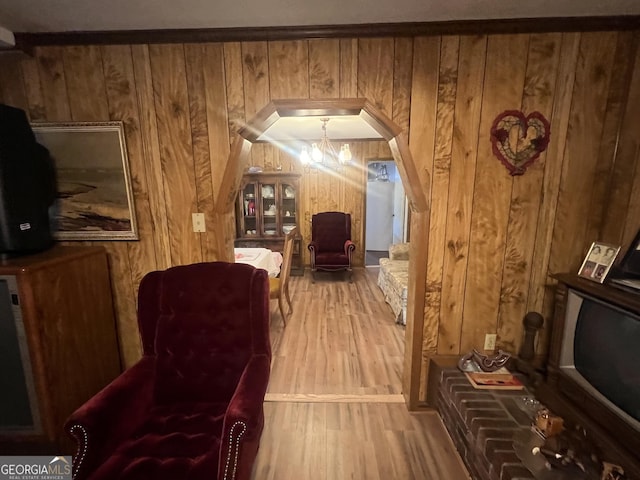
192	407
331	246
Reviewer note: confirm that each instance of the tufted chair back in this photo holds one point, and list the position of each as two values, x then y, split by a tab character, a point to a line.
331	248
329	230
192	406
202	322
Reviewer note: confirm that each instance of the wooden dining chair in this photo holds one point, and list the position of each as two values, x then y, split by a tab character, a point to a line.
279	287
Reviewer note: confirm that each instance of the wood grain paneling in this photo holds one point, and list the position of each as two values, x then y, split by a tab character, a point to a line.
402	79
288	69
617	92
85	79
629	152
627	145
176	149
538	94
255	74
324	68
424	106
234	83
84	70
592	76
195	56
504	82
53	83
540	296
375	72
219	142
490	240
348	68
441	172
151	155
33	90
471	63
136	258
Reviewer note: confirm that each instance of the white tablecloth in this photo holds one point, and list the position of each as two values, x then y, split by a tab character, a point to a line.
260	258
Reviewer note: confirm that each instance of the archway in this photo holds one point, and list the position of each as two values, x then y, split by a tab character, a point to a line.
389	131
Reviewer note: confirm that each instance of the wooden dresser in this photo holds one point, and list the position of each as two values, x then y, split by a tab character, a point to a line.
58	347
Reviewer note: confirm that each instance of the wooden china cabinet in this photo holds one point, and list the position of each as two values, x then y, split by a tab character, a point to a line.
267	208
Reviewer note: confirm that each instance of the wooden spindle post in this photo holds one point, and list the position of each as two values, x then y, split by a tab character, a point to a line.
532	321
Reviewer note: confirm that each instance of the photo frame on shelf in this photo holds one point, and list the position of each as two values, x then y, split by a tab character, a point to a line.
95	197
598	262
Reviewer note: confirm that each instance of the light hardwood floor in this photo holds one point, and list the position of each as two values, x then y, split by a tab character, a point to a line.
334	408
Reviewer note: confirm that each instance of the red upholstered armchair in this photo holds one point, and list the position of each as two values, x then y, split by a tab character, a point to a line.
192	407
331	246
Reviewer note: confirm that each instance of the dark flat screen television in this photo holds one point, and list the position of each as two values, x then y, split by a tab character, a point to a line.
27	187
593	371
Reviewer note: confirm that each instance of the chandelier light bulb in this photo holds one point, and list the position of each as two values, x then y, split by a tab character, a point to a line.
345	154
323	154
305	158
316	154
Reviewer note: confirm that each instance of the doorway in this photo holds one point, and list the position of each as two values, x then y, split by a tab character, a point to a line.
280	110
385	221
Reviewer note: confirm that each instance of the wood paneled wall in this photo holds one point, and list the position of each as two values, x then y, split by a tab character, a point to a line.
493	238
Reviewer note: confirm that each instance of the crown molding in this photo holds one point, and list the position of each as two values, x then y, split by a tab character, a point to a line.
26	41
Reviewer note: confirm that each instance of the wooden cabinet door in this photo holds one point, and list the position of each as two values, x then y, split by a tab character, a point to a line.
247	210
288	191
269	210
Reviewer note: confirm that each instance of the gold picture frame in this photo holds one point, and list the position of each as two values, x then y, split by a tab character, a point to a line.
95	197
598	262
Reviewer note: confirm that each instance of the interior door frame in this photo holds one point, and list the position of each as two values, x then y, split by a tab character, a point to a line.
239	158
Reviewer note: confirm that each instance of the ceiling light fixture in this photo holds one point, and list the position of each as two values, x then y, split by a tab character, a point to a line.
324	154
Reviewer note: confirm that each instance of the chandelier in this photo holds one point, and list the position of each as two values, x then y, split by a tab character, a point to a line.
324	154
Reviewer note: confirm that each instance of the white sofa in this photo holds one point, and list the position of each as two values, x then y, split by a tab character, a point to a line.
393	279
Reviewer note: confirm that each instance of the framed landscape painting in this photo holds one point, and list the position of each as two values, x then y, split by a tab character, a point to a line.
95	199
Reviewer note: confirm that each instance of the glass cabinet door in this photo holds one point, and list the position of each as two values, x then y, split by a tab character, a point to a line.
249	210
288	195
269	209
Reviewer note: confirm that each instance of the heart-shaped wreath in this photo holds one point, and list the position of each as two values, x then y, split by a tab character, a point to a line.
518	140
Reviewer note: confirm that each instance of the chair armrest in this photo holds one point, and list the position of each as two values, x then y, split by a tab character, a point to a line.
313	248
244	418
349	247
248	399
110	416
399	251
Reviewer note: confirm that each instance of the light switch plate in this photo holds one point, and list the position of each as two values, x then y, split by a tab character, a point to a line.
198	222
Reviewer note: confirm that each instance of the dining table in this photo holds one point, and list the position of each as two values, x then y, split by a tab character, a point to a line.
260	258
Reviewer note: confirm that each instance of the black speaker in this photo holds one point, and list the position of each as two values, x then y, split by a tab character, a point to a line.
27	186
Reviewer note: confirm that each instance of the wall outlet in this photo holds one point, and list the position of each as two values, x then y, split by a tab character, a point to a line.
198	222
490	341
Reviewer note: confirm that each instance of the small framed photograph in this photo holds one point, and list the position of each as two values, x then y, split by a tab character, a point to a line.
598	261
